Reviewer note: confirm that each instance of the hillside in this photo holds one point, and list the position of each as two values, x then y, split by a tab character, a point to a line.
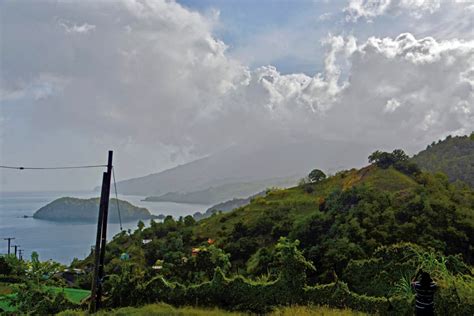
226	206
454	156
68	209
250	164
224	192
370	228
357	210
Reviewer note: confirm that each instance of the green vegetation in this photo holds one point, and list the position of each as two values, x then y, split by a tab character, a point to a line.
168	310
86	210
226	206
353	240
35	287
454	156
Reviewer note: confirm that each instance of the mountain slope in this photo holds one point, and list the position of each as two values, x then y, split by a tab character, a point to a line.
223	192
454	156
344	217
247	164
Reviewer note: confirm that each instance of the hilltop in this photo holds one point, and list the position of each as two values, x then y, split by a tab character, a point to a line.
454	156
69	209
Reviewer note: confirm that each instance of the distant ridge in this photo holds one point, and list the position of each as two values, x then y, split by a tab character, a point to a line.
249	164
453	156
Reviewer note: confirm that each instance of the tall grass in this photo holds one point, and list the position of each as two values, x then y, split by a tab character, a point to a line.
168	310
313	311
461	284
403	287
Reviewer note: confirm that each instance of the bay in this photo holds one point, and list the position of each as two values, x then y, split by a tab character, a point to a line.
61	241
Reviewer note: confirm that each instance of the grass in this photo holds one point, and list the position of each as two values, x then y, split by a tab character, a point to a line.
314	310
74	295
7	293
168	310
5	303
298	203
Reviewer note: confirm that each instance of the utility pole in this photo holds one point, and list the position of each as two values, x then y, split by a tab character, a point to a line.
101	238
9	241
20	253
16	249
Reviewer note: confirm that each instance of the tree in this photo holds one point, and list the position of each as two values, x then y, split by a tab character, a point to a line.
140	225
189	221
316	175
385	159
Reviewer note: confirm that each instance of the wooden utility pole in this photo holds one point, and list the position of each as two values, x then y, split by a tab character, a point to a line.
20	254
101	238
9	239
16	249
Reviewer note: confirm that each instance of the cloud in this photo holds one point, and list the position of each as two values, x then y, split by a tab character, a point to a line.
369	9
152	77
325	16
70	27
392	105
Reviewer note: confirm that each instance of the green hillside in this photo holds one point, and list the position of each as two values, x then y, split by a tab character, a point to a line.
454	156
369	228
353	240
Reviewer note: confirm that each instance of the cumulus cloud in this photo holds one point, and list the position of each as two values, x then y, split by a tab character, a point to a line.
369	9
152	73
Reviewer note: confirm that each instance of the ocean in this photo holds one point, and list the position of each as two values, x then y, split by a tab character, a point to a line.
63	242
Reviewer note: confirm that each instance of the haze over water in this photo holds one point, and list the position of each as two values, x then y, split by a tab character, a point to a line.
64	241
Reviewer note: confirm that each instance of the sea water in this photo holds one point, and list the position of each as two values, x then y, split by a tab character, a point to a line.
61	241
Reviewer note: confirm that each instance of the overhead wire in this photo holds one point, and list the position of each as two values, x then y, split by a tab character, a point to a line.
53	168
74	167
116	199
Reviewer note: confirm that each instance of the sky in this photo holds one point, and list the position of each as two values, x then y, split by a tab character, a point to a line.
165	82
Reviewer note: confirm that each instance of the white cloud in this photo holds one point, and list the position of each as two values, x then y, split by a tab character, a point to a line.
70	27
325	16
392	105
369	9
152	74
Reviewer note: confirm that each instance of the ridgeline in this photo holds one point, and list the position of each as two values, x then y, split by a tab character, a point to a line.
453	156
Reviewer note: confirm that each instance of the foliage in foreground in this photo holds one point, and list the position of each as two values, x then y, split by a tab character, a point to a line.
168	310
352	229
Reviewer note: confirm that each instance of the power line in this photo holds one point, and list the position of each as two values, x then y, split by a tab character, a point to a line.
53	168
116	199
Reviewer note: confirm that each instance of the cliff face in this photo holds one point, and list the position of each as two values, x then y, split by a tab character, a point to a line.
68	209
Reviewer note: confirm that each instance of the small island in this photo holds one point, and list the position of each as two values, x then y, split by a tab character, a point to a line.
69	209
